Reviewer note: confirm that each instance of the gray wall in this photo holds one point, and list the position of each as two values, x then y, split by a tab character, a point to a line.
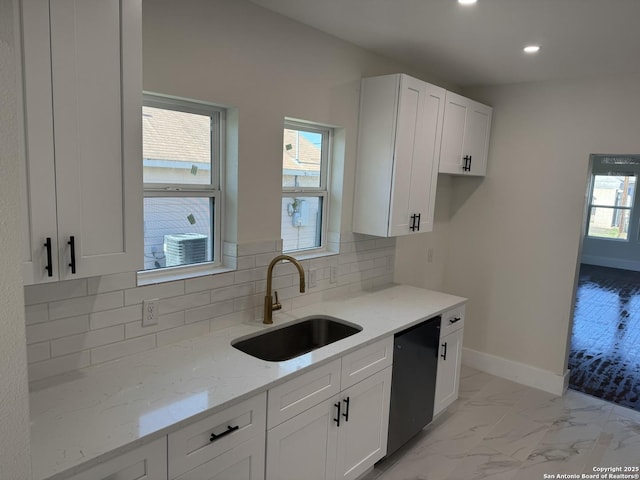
14	399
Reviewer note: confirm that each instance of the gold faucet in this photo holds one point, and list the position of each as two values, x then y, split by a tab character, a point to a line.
269	305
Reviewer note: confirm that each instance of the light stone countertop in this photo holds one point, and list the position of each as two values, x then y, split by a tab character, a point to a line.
91	415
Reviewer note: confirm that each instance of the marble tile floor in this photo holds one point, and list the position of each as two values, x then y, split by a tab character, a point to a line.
604	358
501	430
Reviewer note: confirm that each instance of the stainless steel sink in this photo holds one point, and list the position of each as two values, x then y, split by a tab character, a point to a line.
295	339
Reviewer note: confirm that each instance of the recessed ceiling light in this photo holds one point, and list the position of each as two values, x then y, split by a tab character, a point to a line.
532	48
467	2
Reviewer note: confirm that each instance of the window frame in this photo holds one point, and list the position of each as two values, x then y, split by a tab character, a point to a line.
213	190
591	205
322	191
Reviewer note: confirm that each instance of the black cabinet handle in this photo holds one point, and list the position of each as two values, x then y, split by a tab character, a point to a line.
418	218
455	320
49	266
467	163
72	247
444	351
229	429
337	419
412	225
346	414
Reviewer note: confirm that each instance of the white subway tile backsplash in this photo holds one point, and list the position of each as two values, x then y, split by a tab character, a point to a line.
57	329
122	349
58	365
73	324
173	320
175	304
82	305
117	316
48	292
86	340
208	282
111	283
209	311
174	335
38	352
36	313
158	290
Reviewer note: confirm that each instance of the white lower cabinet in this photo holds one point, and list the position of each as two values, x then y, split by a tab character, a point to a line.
340	438
450	359
148	462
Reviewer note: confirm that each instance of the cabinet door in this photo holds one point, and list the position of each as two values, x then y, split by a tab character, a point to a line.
424	170
148	462
448	378
363	430
243	462
97	93
305	445
39	189
465	133
476	142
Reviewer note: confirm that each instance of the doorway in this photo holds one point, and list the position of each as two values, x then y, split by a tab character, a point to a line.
604	354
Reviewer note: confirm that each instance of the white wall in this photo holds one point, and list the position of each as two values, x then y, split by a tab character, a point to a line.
514	236
14	399
268	67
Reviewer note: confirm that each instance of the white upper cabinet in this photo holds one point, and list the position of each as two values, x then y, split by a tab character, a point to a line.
82	77
465	136
399	135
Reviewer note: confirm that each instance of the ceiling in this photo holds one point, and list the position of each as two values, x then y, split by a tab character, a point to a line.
482	44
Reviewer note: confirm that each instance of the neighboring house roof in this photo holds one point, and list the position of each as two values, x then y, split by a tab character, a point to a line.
299	154
185	137
177	136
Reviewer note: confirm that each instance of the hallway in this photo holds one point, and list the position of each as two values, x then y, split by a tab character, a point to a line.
604	358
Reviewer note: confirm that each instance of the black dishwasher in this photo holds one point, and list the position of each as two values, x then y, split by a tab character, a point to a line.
413	381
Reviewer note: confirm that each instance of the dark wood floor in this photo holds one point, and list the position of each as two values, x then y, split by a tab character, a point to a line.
605	346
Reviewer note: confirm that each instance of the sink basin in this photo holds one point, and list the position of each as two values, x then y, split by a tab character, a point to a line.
295	339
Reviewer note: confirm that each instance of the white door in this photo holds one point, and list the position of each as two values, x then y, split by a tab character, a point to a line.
305	445
448	378
97	93
365	420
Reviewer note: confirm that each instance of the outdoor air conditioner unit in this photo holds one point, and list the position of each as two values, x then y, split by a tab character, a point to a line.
185	248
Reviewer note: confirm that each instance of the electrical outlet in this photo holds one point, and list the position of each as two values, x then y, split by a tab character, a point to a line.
150	312
333	274
430	255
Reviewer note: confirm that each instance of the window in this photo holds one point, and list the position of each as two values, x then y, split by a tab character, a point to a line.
610	205
305	159
182	148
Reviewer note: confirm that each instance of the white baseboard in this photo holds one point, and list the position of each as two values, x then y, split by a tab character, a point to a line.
516	371
612	262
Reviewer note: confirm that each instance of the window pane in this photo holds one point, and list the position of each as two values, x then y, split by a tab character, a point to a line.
177	231
302	154
613	190
176	147
606	222
301	223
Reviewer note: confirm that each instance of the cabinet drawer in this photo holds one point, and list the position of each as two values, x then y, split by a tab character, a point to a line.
297	395
204	440
244	462
366	361
148	462
452	320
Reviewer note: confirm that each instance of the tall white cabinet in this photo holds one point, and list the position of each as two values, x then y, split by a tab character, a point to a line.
82	79
398	146
465	136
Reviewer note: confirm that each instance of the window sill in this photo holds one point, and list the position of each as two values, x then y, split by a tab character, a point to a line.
311	255
150	277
